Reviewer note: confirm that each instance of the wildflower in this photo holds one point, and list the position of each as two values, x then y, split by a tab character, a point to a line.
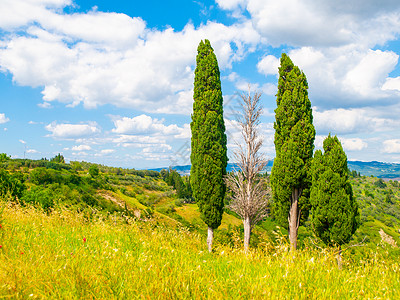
1	246
22	252
1	226
84	240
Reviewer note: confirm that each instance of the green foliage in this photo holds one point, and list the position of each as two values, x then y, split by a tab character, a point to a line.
334	213
41	176
209	153
58	159
294	142
380	183
11	184
39	196
94	170
4	157
183	188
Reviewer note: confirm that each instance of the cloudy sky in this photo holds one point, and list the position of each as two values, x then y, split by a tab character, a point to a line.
112	81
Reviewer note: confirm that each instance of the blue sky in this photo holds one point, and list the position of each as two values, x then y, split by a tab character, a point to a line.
111	81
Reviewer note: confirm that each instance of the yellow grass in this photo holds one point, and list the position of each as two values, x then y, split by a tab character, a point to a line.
62	255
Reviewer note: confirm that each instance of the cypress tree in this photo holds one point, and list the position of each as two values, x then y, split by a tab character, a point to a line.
334	214
294	145
209	154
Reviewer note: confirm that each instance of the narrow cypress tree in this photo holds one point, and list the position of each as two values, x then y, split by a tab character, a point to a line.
334	213
294	145
209	154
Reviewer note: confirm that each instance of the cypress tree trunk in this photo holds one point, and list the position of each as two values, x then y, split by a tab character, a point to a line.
294	216
339	258
247	233
210	237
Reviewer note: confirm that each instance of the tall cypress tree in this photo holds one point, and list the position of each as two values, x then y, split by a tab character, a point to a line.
334	214
294	145
209	154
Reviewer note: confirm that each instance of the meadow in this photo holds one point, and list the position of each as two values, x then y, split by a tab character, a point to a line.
63	254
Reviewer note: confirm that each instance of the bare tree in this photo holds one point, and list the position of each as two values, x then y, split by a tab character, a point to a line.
250	192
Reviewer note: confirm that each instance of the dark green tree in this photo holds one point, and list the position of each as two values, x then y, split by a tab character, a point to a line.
294	145
58	159
94	170
11	185
209	154
334	213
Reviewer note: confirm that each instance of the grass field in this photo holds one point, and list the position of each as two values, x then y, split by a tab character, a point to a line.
64	255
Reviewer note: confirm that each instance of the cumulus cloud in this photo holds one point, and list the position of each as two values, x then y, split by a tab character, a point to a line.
32	151
230	4
107	151
344	77
353	144
146	125
391	146
3	119
268	65
348	121
304	23
81	148
348	144
102	58
339	56
72	131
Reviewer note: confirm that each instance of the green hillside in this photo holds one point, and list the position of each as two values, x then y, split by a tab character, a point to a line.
91	189
81	230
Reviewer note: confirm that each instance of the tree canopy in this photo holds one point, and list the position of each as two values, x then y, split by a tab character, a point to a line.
294	145
334	213
209	153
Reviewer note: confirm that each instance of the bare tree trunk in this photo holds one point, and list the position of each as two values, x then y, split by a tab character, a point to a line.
339	258
294	218
247	233
210	237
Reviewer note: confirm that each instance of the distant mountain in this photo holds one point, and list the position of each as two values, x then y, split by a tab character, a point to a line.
375	168
185	170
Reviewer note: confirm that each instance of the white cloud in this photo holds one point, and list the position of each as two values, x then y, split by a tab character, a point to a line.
17	13
347	121
108	58
353	144
345	77
72	131
135	139
392	84
3	119
32	151
322	23
107	151
230	4
268	65
348	144
391	146
146	125
81	148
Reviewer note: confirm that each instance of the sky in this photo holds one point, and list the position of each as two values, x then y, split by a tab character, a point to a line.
111	82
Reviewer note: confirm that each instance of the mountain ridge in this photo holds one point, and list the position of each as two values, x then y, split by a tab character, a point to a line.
375	168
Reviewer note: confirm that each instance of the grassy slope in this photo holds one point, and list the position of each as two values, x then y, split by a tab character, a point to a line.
62	255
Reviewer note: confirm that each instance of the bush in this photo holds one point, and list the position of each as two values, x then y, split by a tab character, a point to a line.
39	196
94	171
11	184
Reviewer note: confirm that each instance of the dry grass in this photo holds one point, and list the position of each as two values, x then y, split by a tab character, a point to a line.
62	255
